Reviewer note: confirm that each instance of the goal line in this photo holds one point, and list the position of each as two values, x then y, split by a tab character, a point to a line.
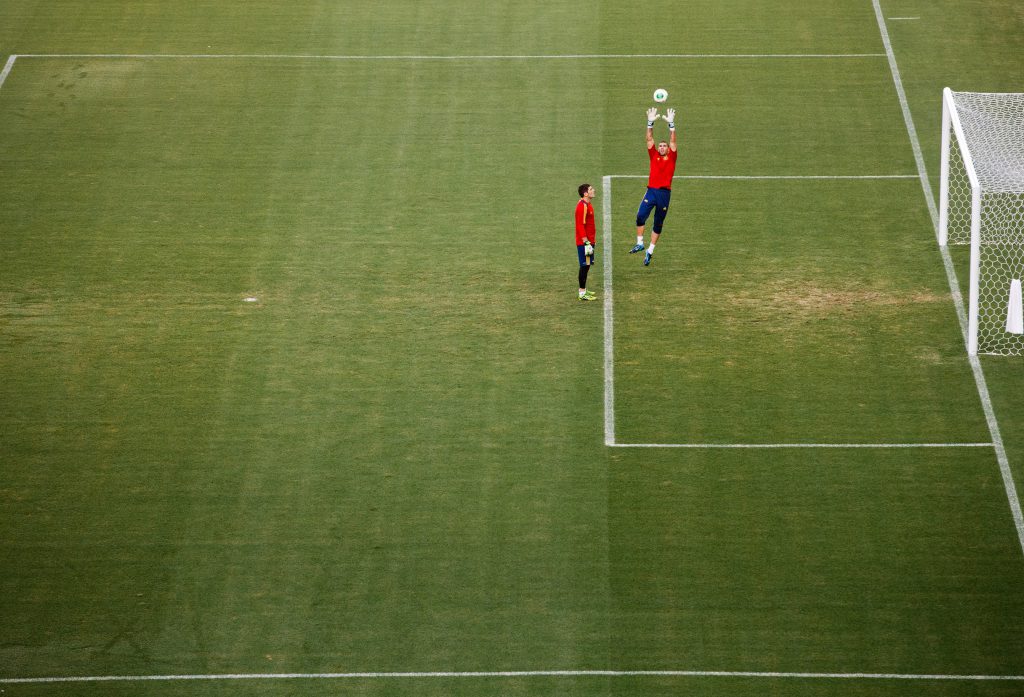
7	69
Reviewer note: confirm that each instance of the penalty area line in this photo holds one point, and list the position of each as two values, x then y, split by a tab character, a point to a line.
513	674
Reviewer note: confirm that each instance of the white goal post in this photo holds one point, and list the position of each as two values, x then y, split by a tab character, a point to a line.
981	203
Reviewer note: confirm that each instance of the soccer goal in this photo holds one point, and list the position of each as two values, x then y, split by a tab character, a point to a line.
981	203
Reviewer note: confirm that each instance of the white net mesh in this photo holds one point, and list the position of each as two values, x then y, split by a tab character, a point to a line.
993	128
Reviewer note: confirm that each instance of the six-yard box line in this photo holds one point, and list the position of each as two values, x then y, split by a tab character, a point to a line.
609	323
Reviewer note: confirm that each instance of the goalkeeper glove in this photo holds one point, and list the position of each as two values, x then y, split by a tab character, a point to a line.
670	116
588	248
652	115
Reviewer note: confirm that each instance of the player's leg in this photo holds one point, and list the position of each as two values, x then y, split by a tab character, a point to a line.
660	211
642	214
639	240
584	270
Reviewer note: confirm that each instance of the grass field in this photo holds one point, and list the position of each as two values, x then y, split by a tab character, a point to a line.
293	380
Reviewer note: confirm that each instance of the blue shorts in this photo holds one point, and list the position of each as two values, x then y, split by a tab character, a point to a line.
656	200
583	257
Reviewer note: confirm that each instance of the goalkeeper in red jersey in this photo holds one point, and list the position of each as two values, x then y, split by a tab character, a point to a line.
659	183
585	237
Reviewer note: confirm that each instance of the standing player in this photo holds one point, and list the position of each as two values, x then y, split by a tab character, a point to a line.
659	182
585	237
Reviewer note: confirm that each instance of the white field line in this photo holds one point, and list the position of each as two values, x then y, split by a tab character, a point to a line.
514	674
773	176
609	319
708	446
576	56
355	57
7	68
954	286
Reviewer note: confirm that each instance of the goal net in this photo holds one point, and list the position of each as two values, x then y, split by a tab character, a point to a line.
981	203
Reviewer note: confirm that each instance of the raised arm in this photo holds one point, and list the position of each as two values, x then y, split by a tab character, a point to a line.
652	116
670	116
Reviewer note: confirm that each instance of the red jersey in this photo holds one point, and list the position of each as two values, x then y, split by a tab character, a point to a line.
662	168
585	223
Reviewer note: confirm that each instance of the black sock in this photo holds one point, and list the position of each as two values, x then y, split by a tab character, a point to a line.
584	270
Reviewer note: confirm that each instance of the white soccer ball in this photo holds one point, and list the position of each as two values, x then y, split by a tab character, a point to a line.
660	95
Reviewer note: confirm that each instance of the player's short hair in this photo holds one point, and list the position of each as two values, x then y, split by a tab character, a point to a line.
663	142
583	189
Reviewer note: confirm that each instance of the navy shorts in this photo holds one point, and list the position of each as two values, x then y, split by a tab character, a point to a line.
656	200
583	257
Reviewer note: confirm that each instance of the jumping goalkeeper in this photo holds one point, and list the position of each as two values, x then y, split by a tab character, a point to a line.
659	183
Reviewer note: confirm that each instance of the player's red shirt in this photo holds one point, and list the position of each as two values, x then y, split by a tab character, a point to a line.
585	223
662	168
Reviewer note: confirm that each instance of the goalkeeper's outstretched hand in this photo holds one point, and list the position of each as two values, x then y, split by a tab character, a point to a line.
652	114
670	115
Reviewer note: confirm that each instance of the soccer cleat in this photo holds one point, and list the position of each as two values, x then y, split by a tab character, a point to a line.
638	248
587	296
647	259
591	295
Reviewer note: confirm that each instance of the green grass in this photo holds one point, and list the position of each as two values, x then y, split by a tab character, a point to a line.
393	460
